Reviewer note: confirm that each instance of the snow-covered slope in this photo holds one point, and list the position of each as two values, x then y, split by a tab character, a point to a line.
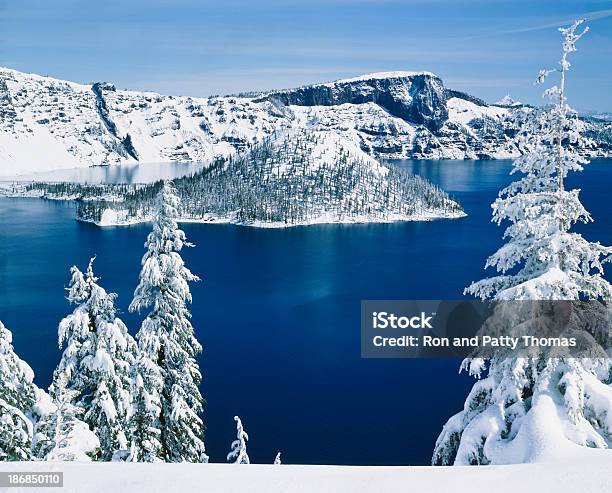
568	476
47	123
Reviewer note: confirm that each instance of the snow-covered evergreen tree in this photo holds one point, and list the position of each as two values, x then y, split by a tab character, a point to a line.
238	453
61	435
97	362
529	409
277	459
17	397
167	337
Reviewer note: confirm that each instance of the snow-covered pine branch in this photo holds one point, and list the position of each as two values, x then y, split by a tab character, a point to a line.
168	346
533	409
17	397
96	365
143	421
61	435
238	453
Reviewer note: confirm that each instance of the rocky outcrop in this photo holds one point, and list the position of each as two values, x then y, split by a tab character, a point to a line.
417	98
7	110
124	144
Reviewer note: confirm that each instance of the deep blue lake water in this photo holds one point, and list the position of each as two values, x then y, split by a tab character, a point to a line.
278	313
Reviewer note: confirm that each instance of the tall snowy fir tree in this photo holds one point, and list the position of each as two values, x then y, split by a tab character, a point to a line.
532	409
238	453
167	338
17	397
97	362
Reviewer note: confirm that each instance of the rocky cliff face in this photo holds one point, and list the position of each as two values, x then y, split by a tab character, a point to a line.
7	110
47	123
417	98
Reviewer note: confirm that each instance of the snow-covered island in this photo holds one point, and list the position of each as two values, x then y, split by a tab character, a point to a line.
48	124
291	178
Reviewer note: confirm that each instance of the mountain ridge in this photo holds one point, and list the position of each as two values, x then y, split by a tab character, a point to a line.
48	123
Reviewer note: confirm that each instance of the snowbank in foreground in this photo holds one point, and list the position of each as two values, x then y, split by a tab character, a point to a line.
592	474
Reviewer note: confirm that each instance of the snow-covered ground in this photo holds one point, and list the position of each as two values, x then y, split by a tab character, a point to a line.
592	475
398	74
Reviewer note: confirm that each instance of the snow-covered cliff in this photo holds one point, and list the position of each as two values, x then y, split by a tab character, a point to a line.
47	123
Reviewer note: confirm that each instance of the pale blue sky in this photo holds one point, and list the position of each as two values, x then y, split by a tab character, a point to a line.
486	47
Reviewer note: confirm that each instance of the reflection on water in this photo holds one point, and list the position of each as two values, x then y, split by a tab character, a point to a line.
450	175
116	173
